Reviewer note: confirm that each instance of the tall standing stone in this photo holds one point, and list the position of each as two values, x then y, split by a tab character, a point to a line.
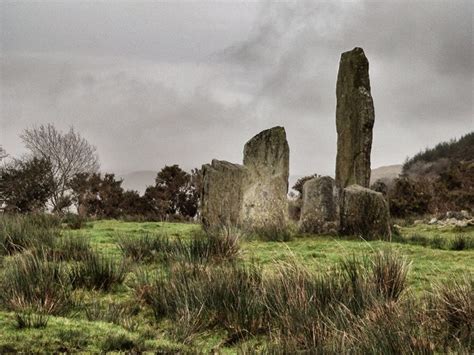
266	156
222	193
354	120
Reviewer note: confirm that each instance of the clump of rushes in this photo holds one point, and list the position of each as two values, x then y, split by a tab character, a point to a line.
71	247
462	242
197	296
219	245
31	283
452	310
389	272
145	247
201	247
96	271
21	232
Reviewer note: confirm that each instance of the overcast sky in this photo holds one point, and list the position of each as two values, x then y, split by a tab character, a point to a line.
157	83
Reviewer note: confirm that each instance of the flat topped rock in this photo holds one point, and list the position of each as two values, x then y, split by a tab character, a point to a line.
354	120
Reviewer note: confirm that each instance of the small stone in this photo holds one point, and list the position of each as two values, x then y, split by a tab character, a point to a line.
319	210
433	221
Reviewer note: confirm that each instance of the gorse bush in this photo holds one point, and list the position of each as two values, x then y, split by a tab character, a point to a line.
31	283
96	271
21	232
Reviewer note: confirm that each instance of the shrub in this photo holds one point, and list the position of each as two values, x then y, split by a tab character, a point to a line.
32	283
98	272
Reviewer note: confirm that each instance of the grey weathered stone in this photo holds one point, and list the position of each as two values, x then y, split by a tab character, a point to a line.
266	156
222	193
364	212
319	210
354	120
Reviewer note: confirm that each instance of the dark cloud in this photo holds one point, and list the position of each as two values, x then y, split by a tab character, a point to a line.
157	83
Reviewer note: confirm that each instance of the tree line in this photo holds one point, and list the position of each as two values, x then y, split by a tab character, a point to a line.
60	172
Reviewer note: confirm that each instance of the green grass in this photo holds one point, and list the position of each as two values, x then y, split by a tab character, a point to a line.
140	331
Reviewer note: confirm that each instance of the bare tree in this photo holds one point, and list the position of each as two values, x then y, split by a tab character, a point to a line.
69	154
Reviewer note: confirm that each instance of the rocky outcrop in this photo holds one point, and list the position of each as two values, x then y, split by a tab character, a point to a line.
354	120
364	212
222	193
319	209
266	156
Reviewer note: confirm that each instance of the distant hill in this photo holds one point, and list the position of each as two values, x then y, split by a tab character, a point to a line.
432	160
138	180
385	173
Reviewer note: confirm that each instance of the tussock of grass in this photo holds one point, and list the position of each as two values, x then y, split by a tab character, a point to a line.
201	247
99	272
31	283
458	242
19	232
71	248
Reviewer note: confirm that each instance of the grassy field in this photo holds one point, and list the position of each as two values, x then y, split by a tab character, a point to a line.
113	319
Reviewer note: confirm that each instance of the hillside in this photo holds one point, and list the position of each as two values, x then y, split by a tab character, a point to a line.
385	173
435	159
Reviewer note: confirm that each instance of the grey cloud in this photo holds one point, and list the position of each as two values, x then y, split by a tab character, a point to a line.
161	83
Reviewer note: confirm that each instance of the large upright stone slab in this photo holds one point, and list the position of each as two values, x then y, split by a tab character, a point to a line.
319	210
222	193
354	120
266	156
364	212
